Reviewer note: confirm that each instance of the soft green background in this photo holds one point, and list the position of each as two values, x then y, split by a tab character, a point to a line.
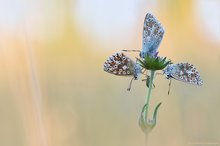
54	92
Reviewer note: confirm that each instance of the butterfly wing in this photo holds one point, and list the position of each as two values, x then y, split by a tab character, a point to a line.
152	35
119	64
186	72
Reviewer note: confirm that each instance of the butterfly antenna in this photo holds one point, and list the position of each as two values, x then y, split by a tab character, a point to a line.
129	87
169	87
131	50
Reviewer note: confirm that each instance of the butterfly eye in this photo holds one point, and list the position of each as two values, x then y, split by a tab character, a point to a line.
124	72
123	58
115	66
120	70
128	72
120	55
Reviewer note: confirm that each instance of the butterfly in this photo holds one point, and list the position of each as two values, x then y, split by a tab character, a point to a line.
153	33
185	72
121	65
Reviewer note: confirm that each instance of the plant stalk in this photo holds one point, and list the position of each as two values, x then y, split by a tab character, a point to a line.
147	100
149	89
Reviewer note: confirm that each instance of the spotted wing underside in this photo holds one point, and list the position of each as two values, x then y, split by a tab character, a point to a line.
152	34
186	72
119	64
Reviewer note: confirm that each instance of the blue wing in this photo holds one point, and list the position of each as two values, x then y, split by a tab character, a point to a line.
152	35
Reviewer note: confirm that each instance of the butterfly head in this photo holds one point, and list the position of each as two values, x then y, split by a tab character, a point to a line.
137	71
167	71
142	54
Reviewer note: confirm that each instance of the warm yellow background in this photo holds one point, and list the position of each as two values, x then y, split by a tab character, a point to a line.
54	92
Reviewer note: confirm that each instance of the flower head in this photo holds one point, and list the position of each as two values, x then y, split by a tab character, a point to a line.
154	62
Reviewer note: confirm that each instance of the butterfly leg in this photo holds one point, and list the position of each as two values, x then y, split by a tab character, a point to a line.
148	81
129	87
143	71
169	87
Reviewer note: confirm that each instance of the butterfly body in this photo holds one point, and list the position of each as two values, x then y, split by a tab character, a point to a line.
121	65
185	72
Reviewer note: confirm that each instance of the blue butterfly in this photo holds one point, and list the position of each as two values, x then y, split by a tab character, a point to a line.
153	33
184	72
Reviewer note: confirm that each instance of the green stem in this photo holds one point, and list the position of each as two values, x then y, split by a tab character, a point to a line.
147	100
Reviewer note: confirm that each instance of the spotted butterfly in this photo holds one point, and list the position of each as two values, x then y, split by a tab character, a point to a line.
185	72
153	33
121	65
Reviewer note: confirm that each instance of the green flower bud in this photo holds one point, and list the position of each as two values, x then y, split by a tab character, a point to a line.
153	63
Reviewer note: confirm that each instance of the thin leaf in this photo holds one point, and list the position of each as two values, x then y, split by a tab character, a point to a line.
155	113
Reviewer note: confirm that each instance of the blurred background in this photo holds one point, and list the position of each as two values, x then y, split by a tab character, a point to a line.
54	92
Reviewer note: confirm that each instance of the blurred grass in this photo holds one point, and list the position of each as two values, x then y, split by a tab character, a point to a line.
83	105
